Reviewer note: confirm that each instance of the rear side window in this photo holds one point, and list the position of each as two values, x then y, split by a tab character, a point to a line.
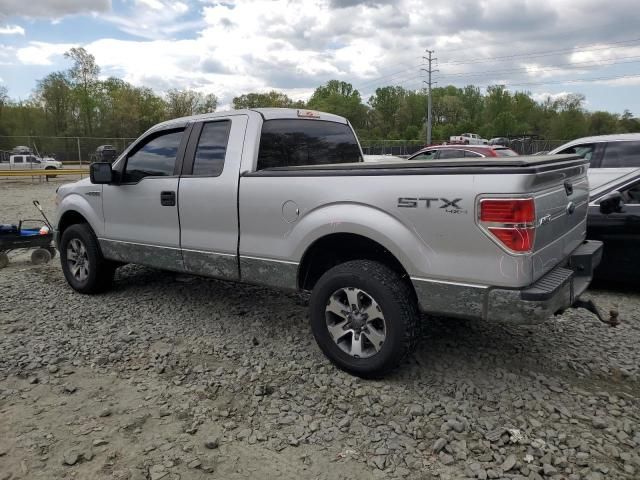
505	152
622	154
451	154
154	157
212	147
18	159
293	142
469	153
428	155
585	150
631	194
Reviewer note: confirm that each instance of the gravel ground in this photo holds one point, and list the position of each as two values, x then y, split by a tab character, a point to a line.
176	377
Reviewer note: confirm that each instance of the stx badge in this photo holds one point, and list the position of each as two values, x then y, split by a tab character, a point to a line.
415	202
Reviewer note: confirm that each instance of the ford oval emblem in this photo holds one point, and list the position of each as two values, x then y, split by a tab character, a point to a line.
571	207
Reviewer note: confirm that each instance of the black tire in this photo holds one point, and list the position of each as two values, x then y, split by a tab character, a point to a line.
397	303
40	256
100	271
50	176
4	260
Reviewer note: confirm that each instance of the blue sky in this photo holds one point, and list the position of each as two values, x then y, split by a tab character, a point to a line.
548	47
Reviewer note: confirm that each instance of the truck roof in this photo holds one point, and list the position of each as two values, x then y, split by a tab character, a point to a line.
266	113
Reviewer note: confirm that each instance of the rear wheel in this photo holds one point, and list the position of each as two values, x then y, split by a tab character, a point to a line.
83	265
50	176
52	251
364	317
40	256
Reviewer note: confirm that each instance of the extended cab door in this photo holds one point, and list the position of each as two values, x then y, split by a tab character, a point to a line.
208	197
141	210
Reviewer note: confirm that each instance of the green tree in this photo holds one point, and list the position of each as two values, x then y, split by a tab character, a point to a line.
84	74
55	92
341	99
264	100
182	103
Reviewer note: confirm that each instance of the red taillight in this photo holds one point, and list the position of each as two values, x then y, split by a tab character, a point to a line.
517	239
511	221
520	211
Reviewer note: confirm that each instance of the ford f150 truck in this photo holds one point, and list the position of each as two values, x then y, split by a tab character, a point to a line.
468	139
281	197
19	162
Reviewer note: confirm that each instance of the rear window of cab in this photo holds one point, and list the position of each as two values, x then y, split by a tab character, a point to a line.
298	142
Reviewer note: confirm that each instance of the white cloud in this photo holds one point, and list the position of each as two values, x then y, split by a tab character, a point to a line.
11	30
41	53
51	8
155	19
233	47
543	96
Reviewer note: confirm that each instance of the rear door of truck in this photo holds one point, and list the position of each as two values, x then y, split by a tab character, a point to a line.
207	197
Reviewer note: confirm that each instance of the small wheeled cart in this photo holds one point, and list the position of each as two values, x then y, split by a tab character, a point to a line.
17	237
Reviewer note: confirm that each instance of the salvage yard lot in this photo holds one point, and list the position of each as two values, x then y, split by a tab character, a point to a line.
169	376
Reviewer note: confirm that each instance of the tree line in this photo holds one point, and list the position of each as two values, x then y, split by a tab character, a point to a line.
77	102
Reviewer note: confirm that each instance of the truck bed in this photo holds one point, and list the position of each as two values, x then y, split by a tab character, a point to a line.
489	165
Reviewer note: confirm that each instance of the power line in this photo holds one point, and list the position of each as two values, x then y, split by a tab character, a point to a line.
577	80
544	53
577	49
375	80
558	66
565	33
527	84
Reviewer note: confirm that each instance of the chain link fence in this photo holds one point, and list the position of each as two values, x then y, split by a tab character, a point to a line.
74	150
69	150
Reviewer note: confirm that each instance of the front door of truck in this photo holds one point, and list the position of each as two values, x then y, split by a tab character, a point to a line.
208	197
141	210
620	233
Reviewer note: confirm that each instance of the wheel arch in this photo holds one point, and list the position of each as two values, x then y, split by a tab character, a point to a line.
336	248
68	218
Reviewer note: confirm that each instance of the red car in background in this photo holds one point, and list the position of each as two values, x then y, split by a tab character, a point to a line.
462	151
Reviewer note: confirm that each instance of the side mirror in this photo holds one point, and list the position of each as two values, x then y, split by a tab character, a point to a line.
100	173
612	202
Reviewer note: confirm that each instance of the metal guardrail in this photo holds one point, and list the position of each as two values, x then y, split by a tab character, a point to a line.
44	173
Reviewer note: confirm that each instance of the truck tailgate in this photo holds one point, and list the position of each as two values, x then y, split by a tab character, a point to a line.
561	217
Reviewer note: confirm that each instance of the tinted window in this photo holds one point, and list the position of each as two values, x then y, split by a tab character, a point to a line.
156	157
585	151
622	154
451	153
18	159
291	142
505	152
468	153
631	194
212	147
428	155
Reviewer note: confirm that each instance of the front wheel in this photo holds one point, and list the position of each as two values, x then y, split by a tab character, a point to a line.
364	317
83	265
50	176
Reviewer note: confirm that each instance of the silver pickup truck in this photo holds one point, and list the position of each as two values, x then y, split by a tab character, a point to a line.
281	197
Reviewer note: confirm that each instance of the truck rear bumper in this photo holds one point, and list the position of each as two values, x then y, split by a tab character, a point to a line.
552	293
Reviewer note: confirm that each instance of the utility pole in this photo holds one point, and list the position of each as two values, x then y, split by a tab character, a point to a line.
429	71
